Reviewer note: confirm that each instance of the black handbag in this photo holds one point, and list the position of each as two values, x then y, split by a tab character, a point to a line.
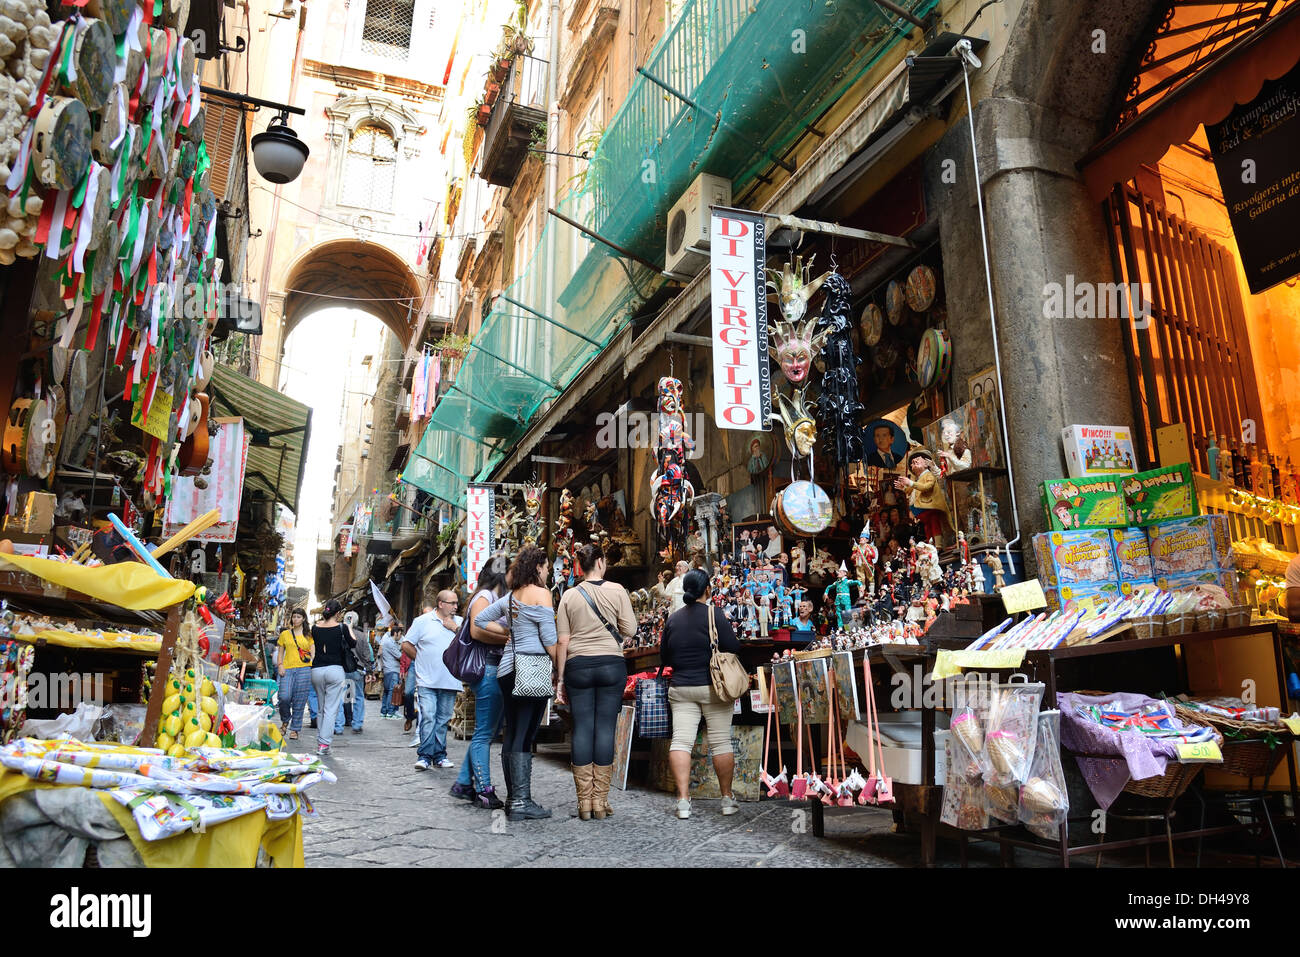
465	657
350	661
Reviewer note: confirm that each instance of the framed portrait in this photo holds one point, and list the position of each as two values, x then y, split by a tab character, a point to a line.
886	444
760	454
753	532
973	429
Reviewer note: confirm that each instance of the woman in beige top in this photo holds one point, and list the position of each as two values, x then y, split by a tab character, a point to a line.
592	620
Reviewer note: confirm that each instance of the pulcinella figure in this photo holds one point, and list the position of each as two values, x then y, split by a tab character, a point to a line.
669	487
838	406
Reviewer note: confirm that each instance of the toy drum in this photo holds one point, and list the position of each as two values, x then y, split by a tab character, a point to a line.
933	358
919	290
61	142
895	300
94	54
803	508
108	124
872	324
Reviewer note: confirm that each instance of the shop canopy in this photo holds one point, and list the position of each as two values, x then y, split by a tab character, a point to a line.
279	428
726	91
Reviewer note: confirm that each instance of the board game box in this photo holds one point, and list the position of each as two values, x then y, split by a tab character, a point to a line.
1132	554
1160	495
1082	503
1225	578
1092	450
1190	545
1075	558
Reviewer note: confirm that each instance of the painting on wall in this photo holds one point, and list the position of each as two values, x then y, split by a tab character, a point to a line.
967	437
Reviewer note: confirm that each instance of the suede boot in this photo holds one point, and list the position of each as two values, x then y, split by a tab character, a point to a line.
600	808
521	806
583	783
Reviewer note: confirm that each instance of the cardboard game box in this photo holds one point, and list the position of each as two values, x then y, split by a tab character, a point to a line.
1160	495
1075	558
1082	503
1092	450
1225	578
1088	597
1189	545
1132	554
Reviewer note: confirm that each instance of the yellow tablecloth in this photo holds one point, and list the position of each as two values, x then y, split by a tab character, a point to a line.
231	843
126	584
112	640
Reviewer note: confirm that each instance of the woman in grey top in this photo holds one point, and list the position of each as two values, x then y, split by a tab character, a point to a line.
529	604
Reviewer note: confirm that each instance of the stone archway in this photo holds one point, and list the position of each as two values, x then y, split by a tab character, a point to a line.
345	272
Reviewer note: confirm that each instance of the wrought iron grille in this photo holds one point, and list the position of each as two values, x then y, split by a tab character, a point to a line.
387	29
371	168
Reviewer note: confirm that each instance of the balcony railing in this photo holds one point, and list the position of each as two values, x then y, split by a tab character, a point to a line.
517	112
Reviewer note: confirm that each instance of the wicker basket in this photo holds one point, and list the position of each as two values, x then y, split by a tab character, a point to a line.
1178	623
1176	779
1238	616
1147	626
1246	750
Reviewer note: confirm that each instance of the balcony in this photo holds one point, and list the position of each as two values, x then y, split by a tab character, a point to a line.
518	110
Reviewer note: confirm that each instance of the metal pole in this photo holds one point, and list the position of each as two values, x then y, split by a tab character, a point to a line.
252	101
549	385
691	103
626	253
898	11
516	302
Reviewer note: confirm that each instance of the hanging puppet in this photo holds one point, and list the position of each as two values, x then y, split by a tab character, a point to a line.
533	514
838	406
563	567
670	489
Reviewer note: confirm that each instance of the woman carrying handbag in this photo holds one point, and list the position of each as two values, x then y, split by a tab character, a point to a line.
526	673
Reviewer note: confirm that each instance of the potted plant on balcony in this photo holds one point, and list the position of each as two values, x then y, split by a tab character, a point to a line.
453	346
514	36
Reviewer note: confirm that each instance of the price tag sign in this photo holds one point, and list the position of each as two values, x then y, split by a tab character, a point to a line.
1199	752
757	704
1293	724
1023	596
158	424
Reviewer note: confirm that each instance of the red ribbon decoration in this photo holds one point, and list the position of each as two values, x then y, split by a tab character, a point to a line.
96	314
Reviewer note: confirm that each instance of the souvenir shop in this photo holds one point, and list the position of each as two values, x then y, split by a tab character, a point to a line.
934	626
121	429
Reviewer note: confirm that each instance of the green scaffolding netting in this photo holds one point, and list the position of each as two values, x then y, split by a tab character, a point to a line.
756	73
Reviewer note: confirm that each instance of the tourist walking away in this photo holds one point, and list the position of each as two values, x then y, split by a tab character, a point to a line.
474	783
591	622
430	635
524	673
686	649
390	660
353	711
327	675
293	664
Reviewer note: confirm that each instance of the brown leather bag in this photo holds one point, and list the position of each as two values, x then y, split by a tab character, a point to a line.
399	691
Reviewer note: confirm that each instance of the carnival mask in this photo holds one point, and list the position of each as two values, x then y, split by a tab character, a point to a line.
792	288
796	418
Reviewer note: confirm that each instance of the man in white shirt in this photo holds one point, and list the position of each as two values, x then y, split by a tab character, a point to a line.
429	636
673	590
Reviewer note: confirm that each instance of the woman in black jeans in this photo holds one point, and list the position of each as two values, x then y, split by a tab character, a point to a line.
533	632
592	621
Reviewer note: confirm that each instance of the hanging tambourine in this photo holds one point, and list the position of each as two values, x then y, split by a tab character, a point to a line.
108	125
57	403
933	358
61	142
155	159
187	158
135	56
872	324
166	237
115	13
59	355
177	14
803	508
194	131
78	376
186	78
106	261
885	355
920	288
895	300
158	47
94	61
29	439
135	160
101	214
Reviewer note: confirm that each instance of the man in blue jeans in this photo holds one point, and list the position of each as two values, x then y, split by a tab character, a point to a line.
390	657
429	636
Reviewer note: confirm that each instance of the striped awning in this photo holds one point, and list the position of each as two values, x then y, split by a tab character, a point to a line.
278	426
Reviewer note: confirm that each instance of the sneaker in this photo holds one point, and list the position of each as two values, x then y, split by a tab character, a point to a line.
729	805
414	742
356	730
443	763
322	749
463	792
488	800
683	808
422	764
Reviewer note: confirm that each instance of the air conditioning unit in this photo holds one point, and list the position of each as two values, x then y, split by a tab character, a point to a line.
688	225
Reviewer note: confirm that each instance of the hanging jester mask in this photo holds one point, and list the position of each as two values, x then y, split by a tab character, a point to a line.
795	342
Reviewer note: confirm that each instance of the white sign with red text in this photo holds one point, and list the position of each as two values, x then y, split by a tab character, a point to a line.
742	384
478	531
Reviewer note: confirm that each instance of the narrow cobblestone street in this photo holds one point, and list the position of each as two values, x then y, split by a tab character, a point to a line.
383	811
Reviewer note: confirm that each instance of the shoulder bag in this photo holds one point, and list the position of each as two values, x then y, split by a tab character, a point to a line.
348	643
532	671
726	673
613	632
466	657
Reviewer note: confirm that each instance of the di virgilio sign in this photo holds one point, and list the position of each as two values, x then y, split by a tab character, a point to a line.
741	377
478	531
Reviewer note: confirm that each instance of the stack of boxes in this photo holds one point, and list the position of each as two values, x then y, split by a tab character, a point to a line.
1112	536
